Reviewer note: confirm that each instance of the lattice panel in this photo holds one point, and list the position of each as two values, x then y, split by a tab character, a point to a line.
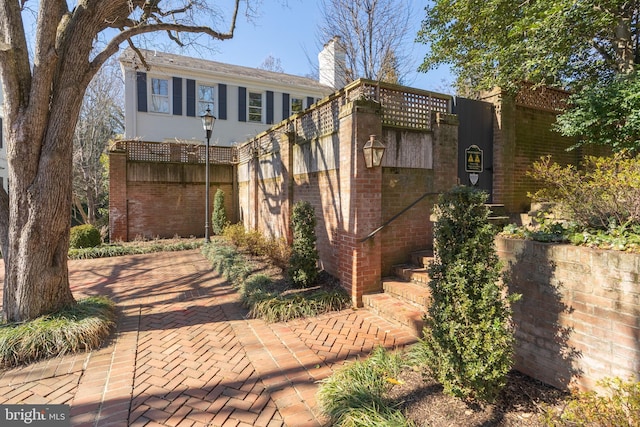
245	153
167	152
319	121
403	108
364	91
542	98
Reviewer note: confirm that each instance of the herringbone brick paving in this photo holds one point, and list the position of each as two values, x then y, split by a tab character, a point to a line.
184	353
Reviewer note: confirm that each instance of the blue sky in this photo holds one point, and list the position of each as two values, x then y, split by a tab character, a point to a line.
289	33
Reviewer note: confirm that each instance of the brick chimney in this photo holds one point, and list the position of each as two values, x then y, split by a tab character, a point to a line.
333	65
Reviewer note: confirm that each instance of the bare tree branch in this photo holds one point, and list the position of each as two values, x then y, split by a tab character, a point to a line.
373	33
129	33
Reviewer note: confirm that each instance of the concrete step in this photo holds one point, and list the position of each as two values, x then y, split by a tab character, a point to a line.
396	311
525	219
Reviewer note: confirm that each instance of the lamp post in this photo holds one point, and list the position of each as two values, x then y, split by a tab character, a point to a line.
207	123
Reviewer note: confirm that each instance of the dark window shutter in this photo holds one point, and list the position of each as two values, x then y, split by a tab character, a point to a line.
1	141
177	96
222	101
269	107
191	98
242	104
141	87
285	105
310	100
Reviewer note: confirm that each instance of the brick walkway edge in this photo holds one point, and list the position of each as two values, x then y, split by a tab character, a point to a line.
185	354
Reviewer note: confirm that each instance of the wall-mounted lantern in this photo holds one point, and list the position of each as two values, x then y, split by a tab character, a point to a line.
373	151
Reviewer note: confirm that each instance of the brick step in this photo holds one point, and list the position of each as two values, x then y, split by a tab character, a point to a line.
411	273
422	258
413	293
496	210
396	311
499	221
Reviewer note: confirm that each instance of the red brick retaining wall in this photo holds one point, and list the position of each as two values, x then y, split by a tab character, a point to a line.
579	317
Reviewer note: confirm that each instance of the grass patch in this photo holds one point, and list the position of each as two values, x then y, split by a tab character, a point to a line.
267	295
81	327
135	248
356	394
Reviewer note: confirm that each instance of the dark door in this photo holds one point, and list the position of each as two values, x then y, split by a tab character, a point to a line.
475	143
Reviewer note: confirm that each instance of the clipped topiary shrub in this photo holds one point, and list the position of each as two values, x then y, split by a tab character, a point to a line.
219	217
468	337
303	263
84	236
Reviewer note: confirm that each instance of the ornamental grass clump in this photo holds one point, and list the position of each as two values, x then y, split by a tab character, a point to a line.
468	335
80	327
114	249
356	394
271	298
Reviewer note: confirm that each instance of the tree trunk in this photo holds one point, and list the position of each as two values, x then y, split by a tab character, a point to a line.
40	179
43	90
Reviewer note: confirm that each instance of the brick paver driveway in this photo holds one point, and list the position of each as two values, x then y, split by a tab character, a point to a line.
184	353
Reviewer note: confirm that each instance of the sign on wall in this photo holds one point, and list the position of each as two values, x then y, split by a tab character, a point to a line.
473	159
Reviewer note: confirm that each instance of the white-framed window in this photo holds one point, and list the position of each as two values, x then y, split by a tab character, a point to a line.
159	95
255	107
297	105
206	97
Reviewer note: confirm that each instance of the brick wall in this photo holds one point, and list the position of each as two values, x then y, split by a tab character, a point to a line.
360	201
413	230
317	156
579	317
118	195
523	133
534	138
351	201
322	190
150	199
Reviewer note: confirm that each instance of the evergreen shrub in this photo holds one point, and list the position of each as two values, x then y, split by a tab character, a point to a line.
604	192
468	335
84	236
219	218
303	263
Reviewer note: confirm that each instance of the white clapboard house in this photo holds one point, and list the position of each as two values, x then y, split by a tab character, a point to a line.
166	94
